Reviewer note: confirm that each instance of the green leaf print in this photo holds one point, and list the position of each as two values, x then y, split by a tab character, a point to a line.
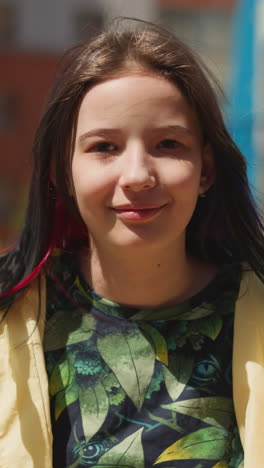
210	327
217	411
66	329
61	377
128	453
241	465
176	382
65	398
94	408
181	312
158	341
62	384
203	444
131	358
114	390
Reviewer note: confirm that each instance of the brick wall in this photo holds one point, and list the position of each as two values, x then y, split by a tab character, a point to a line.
24	83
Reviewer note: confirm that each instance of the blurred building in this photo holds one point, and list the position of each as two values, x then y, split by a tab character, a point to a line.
23	89
206	26
54	25
34	34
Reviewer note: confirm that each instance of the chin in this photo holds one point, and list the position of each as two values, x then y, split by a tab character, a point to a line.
138	241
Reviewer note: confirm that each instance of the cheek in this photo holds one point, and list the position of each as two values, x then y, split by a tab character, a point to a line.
86	180
92	188
183	178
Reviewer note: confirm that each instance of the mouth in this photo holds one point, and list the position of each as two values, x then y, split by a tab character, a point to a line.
137	213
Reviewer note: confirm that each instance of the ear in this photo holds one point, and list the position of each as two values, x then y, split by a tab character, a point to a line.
208	170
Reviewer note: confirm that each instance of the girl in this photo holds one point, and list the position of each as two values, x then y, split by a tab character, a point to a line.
140	238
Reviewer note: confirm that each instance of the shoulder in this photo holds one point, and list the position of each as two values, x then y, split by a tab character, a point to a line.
27	311
248	366
249	320
250	302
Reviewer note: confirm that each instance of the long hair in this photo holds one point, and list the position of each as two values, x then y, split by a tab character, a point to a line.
225	226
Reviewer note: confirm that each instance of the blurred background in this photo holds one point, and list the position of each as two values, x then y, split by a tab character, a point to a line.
228	34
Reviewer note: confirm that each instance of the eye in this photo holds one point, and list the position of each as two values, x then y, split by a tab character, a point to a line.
169	144
207	370
91	450
102	147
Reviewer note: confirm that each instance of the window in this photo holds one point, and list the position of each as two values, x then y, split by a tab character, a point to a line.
205	30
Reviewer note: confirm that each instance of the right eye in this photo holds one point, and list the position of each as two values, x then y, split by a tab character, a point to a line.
103	147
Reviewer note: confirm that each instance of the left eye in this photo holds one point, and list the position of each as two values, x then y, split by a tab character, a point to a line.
168	144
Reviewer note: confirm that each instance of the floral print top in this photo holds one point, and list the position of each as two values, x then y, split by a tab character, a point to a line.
137	388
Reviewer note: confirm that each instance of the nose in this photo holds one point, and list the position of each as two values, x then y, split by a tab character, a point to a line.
137	172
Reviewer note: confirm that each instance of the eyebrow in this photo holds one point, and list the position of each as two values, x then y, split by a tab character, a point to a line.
177	128
106	132
103	132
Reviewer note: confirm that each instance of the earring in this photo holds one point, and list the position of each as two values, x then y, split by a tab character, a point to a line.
203	195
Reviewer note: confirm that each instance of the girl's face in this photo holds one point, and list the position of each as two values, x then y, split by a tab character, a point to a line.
139	163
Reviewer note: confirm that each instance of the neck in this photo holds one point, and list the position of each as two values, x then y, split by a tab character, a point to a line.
145	279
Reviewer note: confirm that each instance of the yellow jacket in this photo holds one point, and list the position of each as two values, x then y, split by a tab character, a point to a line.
25	428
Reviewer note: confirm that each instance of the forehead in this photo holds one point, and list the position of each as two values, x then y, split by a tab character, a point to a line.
139	96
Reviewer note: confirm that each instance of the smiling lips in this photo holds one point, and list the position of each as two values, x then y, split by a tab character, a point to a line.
135	213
